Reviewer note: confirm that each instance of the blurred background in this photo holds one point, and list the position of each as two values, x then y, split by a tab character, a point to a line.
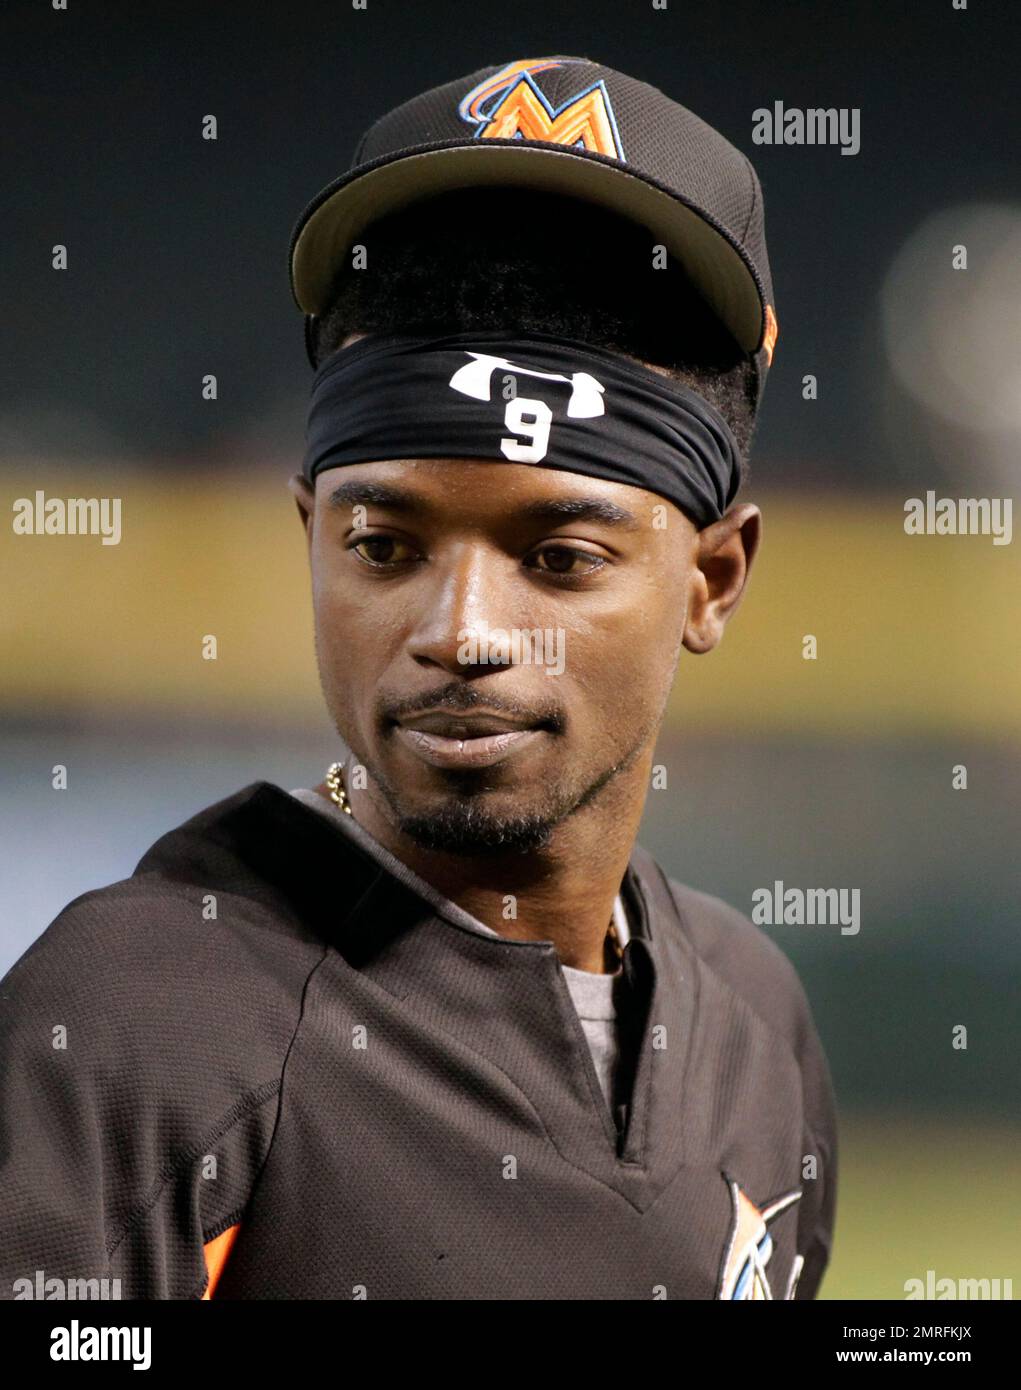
836	772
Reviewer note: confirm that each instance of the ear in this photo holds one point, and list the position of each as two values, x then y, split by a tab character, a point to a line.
305	500
723	560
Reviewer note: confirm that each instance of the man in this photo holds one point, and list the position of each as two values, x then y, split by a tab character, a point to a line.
439	1028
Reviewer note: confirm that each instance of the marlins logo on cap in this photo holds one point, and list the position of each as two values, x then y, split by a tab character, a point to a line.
511	105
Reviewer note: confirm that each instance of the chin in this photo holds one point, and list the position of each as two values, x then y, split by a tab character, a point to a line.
463	827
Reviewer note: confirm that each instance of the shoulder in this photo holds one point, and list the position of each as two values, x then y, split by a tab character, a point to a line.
146	1031
191	956
753	968
747	961
131	944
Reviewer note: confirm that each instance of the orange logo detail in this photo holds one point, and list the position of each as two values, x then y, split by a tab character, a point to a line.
769	334
216	1252
509	106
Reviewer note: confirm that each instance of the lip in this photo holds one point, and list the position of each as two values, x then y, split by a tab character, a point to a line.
483	750
470	724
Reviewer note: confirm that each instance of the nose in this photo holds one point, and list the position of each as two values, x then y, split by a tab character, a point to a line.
463	599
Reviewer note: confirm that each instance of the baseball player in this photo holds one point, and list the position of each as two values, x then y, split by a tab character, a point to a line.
438	1027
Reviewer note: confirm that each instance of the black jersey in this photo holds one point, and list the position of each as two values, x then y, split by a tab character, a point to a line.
274	1063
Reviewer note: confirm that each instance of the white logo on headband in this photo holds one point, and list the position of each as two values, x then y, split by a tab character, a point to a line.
475	380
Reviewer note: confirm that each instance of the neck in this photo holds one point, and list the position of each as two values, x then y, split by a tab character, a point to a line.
563	893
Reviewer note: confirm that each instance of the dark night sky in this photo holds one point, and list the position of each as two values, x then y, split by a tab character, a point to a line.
178	246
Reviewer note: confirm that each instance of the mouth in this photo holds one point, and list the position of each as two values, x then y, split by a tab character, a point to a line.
479	739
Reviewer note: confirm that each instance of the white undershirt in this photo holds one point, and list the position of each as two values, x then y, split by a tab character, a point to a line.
592	994
594	1002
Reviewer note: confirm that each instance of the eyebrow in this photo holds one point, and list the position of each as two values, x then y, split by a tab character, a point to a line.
556	509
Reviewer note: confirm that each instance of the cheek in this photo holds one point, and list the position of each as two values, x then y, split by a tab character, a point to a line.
620	670
358	646
354	634
628	660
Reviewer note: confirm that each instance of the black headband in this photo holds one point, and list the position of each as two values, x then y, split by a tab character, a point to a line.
522	398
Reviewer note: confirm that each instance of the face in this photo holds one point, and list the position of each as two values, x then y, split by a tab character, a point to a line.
497	641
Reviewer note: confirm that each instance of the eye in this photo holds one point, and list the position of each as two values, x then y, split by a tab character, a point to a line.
382	550
568	561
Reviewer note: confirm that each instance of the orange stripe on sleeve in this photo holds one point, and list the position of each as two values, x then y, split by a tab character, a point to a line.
216	1252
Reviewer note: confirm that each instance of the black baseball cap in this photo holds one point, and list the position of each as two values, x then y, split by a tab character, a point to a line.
563	125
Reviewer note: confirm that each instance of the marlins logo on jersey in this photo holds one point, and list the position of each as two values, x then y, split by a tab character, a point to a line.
510	106
750	1247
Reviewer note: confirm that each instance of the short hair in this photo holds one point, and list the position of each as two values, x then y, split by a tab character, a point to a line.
521	260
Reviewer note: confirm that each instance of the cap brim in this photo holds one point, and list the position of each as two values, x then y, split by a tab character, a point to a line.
331	224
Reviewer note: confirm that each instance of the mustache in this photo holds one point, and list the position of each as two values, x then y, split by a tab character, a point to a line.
459	698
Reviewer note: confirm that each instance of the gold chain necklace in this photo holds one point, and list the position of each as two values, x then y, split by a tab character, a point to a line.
338	795
335	784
